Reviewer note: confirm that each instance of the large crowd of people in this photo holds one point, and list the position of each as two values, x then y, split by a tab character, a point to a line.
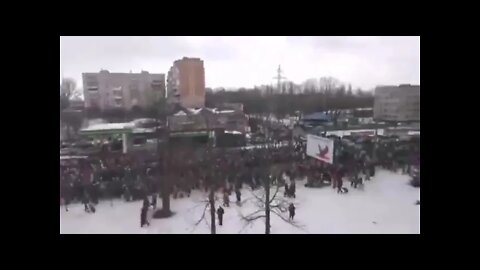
202	168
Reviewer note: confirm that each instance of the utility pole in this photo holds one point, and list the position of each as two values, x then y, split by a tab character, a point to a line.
279	78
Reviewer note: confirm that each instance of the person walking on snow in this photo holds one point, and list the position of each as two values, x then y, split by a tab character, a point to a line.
85	202
64	202
226	199
335	179
291	210
339	185
143	217
154	201
146	203
239	195
220	213
292	189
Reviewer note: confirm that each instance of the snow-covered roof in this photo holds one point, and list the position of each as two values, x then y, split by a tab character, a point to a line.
232	132
225	111
144	130
97	121
72	157
143	120
180	113
109	126
195	111
199	110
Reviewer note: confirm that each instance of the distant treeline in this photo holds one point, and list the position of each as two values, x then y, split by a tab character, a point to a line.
281	104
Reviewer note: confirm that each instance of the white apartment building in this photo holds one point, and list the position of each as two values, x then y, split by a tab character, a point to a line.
397	103
106	90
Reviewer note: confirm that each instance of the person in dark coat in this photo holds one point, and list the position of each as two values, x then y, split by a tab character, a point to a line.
339	185
91	207
220	212
358	181
335	180
291	210
127	195
85	202
143	217
372	170
63	202
154	201
146	203
286	193
226	199
94	191
239	195
292	189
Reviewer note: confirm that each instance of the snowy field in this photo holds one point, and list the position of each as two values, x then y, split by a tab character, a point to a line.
386	205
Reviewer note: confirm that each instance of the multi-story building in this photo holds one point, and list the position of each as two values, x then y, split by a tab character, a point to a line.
397	103
186	83
106	90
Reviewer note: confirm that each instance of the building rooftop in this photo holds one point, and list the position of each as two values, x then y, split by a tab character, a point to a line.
317	116
124	73
108	126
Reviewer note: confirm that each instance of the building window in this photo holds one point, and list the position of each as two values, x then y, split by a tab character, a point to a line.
91	81
118	102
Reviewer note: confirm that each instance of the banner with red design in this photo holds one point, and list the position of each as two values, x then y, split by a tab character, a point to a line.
320	148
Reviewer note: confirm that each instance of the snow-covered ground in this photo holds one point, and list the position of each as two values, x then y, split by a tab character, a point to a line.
386	205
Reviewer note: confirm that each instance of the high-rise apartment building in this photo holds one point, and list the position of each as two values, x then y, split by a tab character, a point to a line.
106	90
186	83
397	103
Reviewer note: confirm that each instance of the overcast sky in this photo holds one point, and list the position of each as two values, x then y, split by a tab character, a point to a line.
247	61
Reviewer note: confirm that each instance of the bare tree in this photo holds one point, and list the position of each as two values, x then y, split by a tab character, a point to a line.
310	86
268	204
327	86
164	156
68	89
208	203
211	201
211	195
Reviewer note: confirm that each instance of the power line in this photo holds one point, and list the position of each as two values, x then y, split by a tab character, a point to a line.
279	78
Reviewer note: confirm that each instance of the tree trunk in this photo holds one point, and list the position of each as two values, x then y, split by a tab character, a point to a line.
165	191
267	205
211	199
165	196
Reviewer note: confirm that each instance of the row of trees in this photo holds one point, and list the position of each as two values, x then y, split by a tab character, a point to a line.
326	93
255	101
71	120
